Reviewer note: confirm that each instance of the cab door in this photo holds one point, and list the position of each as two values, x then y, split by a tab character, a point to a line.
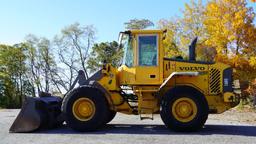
147	59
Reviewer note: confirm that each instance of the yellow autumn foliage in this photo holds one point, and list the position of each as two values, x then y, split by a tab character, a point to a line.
230	28
225	30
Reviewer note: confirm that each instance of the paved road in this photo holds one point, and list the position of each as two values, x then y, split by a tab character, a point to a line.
129	129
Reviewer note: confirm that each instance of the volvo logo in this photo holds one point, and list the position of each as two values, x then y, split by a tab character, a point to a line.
192	68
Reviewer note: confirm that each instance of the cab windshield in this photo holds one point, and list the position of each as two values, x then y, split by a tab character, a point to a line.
126	44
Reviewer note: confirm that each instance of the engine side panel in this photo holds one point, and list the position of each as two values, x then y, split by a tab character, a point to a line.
209	81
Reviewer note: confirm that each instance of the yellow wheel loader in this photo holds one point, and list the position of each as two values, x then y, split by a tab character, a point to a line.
182	91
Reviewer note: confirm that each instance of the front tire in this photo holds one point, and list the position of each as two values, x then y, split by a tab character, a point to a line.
85	109
184	109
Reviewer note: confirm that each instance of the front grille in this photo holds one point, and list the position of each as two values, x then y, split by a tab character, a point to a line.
215	82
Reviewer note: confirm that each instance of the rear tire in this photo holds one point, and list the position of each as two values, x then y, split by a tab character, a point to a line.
111	116
97	104
172	109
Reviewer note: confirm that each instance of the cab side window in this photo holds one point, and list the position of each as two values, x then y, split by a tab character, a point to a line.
148	49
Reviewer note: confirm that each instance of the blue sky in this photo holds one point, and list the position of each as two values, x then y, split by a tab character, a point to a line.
47	17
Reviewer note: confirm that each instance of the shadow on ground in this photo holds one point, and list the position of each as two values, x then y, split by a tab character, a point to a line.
161	129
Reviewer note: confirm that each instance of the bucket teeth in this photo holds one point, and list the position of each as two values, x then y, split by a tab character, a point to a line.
37	113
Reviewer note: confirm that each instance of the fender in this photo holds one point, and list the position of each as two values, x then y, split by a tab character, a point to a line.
178	74
106	94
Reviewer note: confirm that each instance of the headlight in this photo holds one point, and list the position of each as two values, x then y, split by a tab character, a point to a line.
226	83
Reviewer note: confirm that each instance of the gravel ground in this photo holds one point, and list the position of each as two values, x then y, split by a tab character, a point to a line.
230	127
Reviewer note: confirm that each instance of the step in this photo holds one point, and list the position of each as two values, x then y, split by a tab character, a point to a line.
147	116
144	116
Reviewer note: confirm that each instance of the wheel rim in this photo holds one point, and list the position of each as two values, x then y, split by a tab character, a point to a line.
83	109
184	109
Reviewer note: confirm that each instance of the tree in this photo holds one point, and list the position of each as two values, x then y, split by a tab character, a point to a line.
12	75
191	25
229	24
41	65
171	41
231	31
181	31
108	51
73	45
138	24
34	68
46	61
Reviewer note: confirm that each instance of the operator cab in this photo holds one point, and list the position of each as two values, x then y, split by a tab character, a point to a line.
143	57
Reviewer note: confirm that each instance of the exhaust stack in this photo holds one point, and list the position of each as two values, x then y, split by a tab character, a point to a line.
192	48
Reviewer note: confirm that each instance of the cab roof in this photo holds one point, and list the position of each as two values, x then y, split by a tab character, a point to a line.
145	31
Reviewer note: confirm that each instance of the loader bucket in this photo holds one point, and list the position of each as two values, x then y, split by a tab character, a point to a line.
38	113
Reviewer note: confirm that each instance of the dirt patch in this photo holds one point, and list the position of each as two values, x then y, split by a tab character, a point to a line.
237	115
